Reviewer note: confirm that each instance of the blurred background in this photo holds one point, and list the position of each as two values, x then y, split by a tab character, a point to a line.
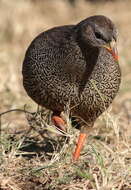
22	20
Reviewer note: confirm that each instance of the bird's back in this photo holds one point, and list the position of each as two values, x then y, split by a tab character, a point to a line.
45	68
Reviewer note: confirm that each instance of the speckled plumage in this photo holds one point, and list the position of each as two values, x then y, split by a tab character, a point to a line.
68	65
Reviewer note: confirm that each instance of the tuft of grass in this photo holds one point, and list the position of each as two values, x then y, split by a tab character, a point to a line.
46	156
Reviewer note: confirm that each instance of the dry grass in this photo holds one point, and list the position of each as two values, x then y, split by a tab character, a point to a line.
32	154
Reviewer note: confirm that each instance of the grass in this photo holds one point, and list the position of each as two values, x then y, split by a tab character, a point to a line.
44	157
33	154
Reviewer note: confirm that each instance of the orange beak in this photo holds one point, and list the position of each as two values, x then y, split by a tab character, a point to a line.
112	48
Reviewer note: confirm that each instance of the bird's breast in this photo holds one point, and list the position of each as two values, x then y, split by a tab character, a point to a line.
100	88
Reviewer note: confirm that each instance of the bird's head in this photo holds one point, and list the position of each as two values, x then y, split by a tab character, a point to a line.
98	31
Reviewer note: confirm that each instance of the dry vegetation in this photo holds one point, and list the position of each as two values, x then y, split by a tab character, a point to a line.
32	155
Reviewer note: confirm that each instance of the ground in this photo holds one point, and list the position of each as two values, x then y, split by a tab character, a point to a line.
32	153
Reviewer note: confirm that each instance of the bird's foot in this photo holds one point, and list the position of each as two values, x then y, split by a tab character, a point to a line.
81	140
59	122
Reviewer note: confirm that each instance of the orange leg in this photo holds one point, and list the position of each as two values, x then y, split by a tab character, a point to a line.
59	122
79	146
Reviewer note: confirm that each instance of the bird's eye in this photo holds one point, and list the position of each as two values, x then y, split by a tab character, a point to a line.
98	35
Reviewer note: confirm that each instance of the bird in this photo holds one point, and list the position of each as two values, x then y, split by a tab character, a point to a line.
75	65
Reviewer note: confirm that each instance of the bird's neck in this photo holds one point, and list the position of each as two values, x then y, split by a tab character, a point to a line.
91	57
